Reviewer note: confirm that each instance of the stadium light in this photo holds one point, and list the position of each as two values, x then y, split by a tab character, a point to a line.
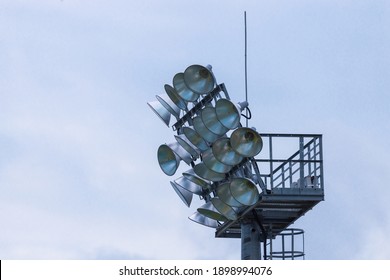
223	171
211	140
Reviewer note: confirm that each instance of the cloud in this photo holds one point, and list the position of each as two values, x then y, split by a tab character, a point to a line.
374	244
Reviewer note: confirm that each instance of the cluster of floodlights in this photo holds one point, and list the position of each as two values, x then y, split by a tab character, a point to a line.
212	141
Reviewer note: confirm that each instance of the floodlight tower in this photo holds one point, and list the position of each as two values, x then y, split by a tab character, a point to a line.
225	160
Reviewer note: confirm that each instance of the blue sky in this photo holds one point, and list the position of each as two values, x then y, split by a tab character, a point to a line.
79	178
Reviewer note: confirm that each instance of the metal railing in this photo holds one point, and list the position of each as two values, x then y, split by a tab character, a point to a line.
303	169
296	180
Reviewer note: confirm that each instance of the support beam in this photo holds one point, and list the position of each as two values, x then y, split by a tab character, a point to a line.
250	240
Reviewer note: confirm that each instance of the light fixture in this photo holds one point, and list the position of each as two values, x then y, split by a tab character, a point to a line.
203	131
190	175
169	157
228	113
195	138
203	220
224	193
188	185
244	191
209	138
199	79
223	151
182	89
211	122
214	164
169	105
187	145
226	210
209	210
246	142
238	201
204	172
160	111
184	195
171	92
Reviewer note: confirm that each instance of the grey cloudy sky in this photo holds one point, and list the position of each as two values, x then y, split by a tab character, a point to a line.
79	177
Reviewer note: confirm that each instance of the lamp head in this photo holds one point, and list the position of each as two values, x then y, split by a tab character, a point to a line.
246	142
160	111
184	195
203	220
199	79
167	159
182	89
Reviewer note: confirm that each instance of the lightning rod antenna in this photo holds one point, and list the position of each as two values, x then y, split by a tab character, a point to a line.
246	71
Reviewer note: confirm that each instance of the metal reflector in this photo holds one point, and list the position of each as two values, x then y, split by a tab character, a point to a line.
246	141
190	175
203	131
160	111
199	79
167	159
228	113
184	195
210	120
202	171
203	220
210	211
223	192
179	150
214	164
244	191
187	145
195	138
226	210
175	97
169	105
224	152
189	186
182	90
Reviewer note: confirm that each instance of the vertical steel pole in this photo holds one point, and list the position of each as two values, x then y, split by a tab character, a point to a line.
292	244
271	167
250	240
271	249
321	162
246	70
301	164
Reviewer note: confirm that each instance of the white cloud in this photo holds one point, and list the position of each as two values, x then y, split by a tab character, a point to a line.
373	238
